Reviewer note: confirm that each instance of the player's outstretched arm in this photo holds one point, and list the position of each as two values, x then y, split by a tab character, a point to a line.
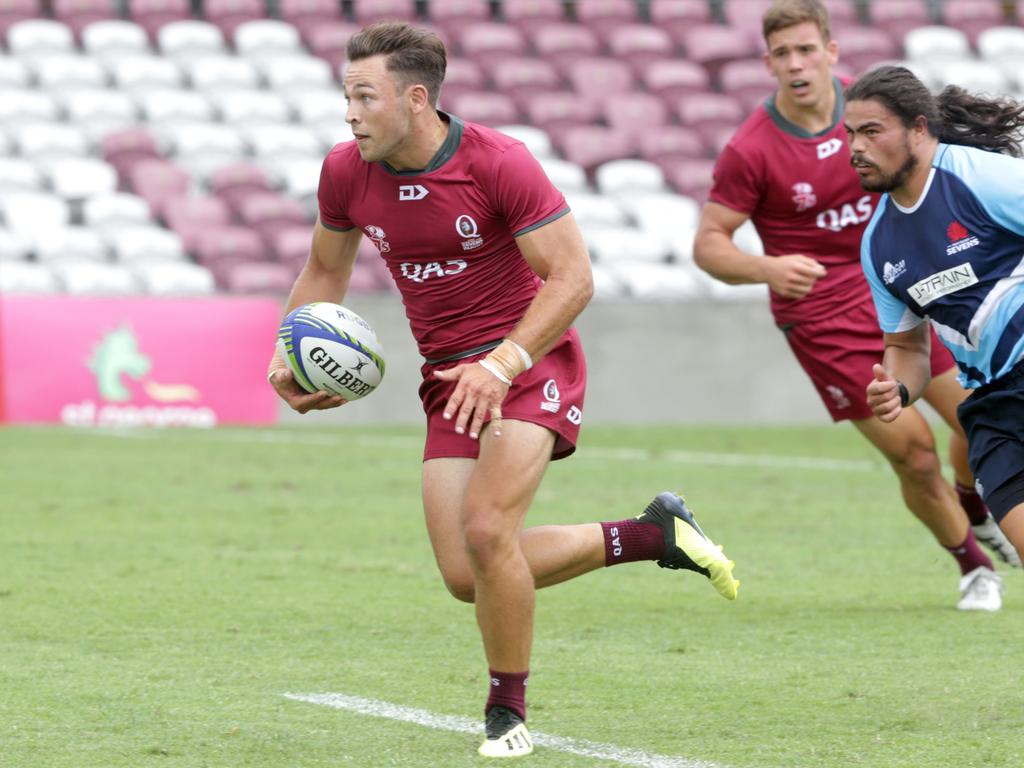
324	277
791	276
906	364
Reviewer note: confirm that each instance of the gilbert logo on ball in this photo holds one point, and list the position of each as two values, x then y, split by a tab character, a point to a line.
331	348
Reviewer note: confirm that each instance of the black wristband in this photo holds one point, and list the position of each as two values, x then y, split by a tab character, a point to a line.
904	394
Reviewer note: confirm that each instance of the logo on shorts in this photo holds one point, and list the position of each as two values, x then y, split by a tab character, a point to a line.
803	196
376	235
890	272
839	398
574	415
552	397
469	231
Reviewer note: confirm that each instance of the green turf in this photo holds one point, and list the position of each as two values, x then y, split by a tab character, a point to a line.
159	593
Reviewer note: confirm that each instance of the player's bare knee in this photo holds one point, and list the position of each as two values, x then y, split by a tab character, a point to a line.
918	463
461	587
486	540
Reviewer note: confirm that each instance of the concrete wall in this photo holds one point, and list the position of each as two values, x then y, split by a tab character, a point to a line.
649	362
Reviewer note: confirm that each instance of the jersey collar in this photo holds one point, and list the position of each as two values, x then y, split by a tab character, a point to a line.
801	133
443	154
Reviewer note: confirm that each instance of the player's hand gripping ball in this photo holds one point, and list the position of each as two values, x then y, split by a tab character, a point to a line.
331	348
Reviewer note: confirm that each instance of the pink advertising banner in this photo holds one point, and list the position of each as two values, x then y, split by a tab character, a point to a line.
114	362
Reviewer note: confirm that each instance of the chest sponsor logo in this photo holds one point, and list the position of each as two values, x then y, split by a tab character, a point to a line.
959	238
420	273
891	271
376	235
412	192
552	397
828	148
943	283
803	196
469	231
846	215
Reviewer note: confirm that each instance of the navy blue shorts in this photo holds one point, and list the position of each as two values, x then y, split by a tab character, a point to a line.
993	418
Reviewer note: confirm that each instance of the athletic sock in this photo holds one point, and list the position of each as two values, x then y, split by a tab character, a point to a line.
629	540
969	555
975	508
508	689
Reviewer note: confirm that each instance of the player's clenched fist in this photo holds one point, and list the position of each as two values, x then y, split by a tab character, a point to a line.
884	395
794	275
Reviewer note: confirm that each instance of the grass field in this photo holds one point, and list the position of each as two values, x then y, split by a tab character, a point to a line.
161	592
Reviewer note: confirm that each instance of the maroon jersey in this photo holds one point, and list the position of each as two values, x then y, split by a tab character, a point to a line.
447	232
803	197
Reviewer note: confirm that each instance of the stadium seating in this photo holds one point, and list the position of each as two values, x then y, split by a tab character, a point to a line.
151	15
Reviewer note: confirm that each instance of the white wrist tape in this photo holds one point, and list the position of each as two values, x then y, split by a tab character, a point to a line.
523	355
493	370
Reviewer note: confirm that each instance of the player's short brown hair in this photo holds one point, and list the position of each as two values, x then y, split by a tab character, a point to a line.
789	13
416	56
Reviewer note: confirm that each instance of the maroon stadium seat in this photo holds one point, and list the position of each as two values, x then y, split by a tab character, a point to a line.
841	12
485	107
486	41
746	15
530	16
591	145
259	278
678	16
307	15
521	77
667	143
291	244
710	113
603	16
897	17
267	212
557	110
597	78
366	11
635	111
690	177
564	44
192	215
747	80
228	14
327	39
77	13
449	15
126	147
462	76
670	80
863	47
220	248
153	14
640	44
235	182
972	17
157	180
712	46
13	11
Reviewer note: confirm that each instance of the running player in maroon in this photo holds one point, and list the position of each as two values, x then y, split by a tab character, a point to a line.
492	271
787	169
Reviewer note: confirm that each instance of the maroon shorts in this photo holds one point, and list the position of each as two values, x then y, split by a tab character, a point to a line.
837	353
549	394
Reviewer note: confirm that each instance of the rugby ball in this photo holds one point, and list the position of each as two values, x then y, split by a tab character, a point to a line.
332	349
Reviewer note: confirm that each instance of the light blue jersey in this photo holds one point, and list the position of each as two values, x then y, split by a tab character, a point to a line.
956	258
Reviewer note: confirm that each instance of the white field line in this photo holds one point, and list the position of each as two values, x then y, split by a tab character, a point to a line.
426	719
692	458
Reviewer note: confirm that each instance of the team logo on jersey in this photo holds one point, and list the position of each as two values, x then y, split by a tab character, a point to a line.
469	231
412	192
943	283
803	196
959	238
552	397
891	271
839	398
376	235
828	148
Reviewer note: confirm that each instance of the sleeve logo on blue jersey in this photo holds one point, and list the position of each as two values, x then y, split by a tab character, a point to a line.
891	271
959	238
943	283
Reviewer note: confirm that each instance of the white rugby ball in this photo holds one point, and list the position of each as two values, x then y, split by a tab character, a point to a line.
332	349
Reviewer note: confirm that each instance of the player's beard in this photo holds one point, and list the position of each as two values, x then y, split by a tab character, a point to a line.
887	182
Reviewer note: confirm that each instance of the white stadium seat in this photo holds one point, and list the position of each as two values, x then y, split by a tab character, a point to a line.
58	71
88	278
332	132
145	73
536	139
282	141
252	106
174	278
165	106
185	39
566	176
936	42
299	179
629	177
115	209
12	248
286	73
14	73
315	107
668	216
656	281
725	292
219	72
591	209
72	244
114	37
99	111
196	138
30	215
134	243
609	244
35	36
43	141
262	37
22	104
982	76
997	42
76	178
20	277
747	239
20	175
607	284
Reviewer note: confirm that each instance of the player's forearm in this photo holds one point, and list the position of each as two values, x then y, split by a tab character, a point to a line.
909	364
715	253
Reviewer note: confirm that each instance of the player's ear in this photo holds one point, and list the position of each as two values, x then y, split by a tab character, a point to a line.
419	98
832	49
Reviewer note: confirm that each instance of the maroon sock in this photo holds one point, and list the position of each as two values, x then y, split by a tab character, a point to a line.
628	541
969	555
975	508
508	689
